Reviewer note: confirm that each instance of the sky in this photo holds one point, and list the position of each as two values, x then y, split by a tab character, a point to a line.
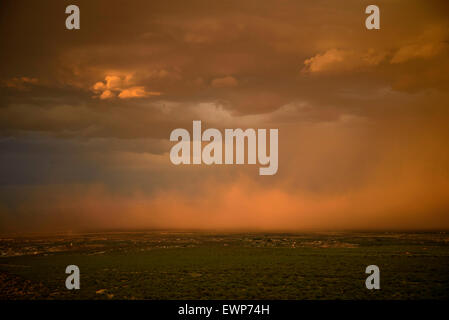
86	115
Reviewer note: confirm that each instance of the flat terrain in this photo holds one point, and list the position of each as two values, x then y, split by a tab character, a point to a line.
175	265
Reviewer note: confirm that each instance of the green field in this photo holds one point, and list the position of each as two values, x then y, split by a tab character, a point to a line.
175	265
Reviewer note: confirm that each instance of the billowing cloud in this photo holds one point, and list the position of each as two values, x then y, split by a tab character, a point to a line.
107	94
121	87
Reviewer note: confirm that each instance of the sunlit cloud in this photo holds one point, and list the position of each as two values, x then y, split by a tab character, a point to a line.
136	92
121	87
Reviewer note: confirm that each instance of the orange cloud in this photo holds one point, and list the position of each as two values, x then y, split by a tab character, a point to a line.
107	94
120	86
241	204
136	92
334	60
418	51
